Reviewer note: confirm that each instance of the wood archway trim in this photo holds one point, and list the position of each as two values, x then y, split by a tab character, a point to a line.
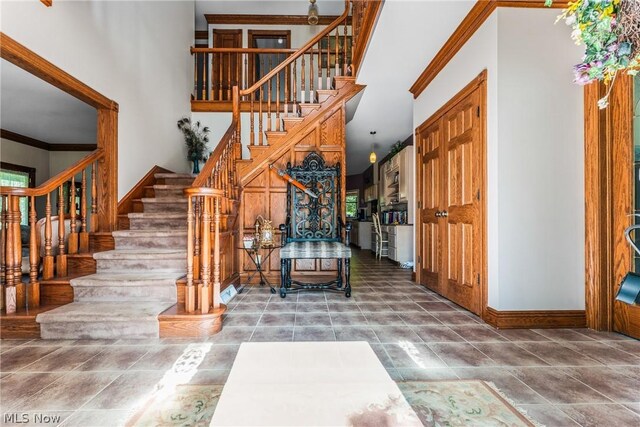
107	129
478	14
608	198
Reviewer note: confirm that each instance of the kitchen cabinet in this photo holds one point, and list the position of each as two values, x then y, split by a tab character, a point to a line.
400	242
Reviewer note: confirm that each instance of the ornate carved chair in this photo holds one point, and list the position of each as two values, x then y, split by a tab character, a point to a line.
314	226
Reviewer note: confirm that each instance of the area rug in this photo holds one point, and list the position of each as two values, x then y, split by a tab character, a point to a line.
187	406
461	403
437	403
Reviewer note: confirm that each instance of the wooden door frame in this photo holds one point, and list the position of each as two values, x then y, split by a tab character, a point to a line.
480	82
107	122
252	34
608	197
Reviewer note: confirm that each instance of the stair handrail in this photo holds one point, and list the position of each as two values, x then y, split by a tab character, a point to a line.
80	215
300	51
56	181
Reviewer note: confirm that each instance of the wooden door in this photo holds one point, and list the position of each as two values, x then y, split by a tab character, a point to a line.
430	230
450	228
226	67
462	216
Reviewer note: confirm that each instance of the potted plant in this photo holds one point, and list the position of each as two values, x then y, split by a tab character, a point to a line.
196	139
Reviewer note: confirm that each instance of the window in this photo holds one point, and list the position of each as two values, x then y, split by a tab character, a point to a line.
352	204
18	176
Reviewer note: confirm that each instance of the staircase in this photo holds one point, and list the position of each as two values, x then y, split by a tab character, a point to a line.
136	281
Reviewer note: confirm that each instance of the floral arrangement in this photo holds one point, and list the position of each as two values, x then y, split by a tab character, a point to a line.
196	139
610	31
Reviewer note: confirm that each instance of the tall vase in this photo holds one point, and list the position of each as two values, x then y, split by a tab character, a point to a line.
196	164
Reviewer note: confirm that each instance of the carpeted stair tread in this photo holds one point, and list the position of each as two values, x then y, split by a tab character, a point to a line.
157	215
177	200
141	254
126	279
164	175
149	233
107	311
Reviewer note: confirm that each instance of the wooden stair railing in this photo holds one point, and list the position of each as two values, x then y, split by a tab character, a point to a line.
364	16
214	195
82	215
213	199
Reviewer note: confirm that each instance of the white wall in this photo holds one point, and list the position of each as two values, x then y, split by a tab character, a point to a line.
479	53
541	163
535	200
24	155
134	52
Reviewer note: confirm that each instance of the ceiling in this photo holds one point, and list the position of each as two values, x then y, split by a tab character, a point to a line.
34	108
407	36
264	7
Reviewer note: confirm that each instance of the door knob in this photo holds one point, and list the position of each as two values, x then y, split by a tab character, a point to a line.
438	214
444	214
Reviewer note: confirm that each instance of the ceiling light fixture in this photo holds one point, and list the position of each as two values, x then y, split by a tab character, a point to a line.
312	16
372	156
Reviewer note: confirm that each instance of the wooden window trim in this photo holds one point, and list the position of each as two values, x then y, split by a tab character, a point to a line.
20	168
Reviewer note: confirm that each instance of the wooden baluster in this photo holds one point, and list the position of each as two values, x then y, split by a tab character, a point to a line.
47	261
189	294
220	60
84	235
72	246
10	252
216	254
311	68
337	41
278	100
252	136
286	90
245	73
328	86
195	76
319	66
260	133
303	91
229	81
197	207
269	85
3	244
34	257
61	258
295	88
94	197
347	60
17	247
205	258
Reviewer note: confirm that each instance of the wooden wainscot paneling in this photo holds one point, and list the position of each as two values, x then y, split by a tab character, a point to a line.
535	319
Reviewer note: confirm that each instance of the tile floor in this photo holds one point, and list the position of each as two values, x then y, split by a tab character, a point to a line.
561	377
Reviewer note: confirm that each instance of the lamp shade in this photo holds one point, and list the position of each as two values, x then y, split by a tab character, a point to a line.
312	16
373	157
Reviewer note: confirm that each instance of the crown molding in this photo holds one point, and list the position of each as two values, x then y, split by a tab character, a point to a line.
32	142
467	28
238	19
